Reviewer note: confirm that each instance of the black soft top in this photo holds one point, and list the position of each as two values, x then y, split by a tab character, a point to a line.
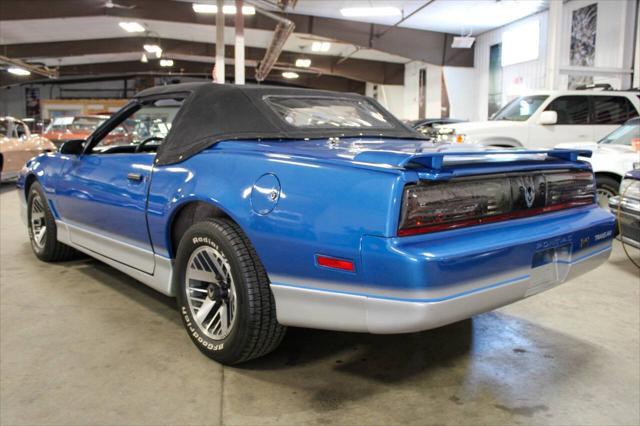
212	113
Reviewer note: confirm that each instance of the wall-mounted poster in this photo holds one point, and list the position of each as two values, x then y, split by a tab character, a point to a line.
582	52
32	102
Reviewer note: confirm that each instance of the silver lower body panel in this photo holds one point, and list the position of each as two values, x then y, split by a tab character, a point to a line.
373	313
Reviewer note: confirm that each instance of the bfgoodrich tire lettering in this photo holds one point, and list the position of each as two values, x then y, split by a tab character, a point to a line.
229	277
43	233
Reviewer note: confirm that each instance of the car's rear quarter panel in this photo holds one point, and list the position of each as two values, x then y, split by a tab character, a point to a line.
322	208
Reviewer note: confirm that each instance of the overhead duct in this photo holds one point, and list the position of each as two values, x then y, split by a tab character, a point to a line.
280	35
45	72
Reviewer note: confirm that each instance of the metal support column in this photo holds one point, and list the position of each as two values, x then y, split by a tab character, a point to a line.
220	43
239	50
554	33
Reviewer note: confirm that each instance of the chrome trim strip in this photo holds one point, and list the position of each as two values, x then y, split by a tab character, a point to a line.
411	300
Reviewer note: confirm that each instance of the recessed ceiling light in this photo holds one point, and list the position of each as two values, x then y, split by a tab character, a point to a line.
290	74
18	71
166	62
365	12
153	48
320	46
463	42
228	9
132	27
144	58
303	63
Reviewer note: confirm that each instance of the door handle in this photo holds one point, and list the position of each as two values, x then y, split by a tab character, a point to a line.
136	177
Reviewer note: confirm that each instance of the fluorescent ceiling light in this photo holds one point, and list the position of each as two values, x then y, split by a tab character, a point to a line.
132	27
303	63
320	46
227	9
366	12
166	62
290	74
463	42
18	71
153	48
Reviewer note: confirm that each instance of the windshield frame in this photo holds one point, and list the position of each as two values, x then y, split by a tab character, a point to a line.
515	102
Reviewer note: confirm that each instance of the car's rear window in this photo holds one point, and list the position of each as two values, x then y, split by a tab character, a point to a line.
327	112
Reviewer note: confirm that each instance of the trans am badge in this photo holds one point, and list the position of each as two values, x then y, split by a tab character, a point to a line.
528	188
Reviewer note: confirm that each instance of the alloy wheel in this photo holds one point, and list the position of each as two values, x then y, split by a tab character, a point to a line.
38	221
603	197
211	292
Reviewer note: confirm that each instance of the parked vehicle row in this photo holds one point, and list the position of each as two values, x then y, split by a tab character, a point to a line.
626	206
267	207
17	145
548	118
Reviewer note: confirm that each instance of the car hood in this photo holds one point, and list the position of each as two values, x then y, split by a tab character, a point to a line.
598	147
474	126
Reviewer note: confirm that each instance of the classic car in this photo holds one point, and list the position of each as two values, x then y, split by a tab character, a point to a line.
17	145
626	207
266	207
63	129
612	157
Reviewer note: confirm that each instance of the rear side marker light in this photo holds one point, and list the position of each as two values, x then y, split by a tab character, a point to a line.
333	263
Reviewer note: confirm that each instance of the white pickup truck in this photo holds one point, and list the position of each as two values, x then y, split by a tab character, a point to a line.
545	119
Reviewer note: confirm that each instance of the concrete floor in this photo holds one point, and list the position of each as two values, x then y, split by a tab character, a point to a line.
84	344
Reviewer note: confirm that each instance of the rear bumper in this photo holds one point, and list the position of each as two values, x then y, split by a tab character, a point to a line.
628	214
423	282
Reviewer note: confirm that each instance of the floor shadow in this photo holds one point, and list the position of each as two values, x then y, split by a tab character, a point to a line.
6	187
143	295
410	352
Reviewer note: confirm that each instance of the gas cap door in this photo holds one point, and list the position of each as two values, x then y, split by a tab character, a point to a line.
265	194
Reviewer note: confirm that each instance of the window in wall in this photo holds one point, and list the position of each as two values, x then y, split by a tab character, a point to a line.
612	110
422	93
495	79
521	44
571	109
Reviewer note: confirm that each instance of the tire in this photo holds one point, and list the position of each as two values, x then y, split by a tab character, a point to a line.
606	187
237	291
45	245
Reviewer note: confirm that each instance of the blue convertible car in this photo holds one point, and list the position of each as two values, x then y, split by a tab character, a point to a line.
262	207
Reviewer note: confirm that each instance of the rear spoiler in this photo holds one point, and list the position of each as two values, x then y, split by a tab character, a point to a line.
434	161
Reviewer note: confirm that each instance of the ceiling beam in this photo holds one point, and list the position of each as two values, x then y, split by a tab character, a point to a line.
378	72
187	68
429	46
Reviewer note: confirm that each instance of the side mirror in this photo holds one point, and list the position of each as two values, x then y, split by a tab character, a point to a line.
73	147
548	117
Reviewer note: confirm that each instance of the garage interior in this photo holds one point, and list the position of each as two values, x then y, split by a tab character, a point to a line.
82	343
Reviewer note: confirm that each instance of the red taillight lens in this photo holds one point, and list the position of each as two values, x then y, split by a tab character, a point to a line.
439	206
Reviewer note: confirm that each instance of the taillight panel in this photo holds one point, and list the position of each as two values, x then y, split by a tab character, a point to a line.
438	206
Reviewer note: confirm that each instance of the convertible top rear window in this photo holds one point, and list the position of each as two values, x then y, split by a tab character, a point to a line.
212	113
327	112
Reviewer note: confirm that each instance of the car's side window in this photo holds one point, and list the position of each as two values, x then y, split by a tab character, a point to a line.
612	110
21	131
143	131
571	109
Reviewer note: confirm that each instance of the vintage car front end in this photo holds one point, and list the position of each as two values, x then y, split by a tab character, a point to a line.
626	208
461	241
